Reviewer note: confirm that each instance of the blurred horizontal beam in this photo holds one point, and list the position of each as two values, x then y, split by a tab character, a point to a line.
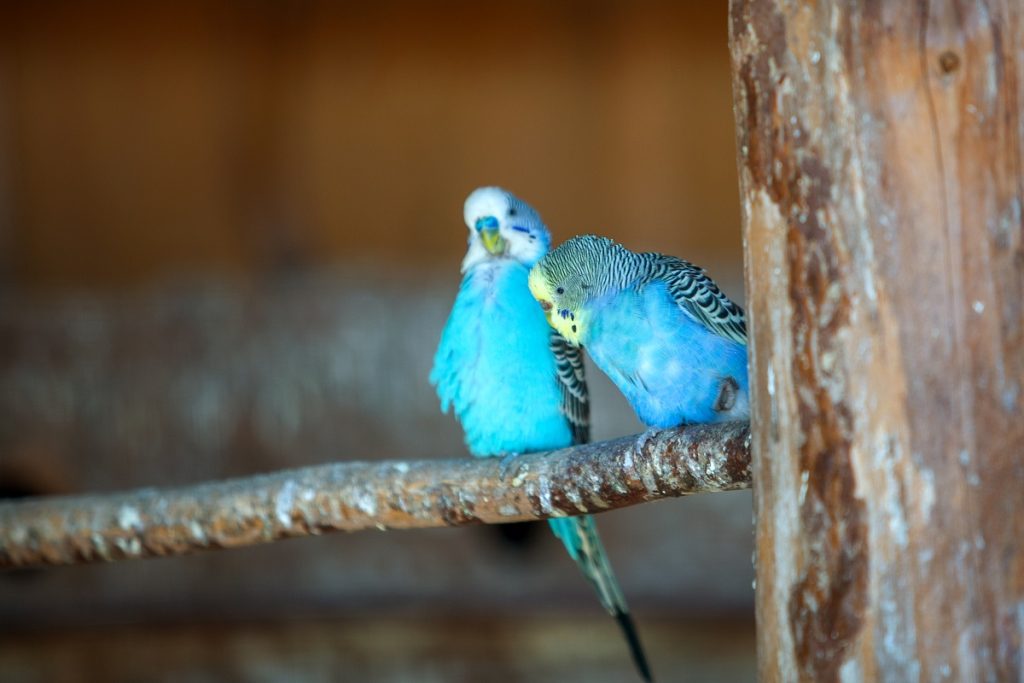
354	496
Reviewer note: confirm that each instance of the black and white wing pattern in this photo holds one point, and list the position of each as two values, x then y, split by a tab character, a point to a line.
699	296
573	383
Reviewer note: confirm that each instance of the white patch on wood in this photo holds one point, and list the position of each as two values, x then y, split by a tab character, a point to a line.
896	622
991	80
573	494
366	502
885	465
647	477
283	504
544	497
128	518
850	671
1010	395
927	497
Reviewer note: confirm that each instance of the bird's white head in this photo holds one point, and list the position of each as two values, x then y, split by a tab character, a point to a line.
502	226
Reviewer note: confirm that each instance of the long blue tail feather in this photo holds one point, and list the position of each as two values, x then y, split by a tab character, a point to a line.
581	540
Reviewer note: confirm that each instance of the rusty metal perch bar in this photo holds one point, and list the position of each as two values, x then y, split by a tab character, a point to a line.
353	496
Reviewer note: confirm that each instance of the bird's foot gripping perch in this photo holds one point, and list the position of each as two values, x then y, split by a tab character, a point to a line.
509	466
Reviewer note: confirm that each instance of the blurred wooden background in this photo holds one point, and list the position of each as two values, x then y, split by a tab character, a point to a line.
229	236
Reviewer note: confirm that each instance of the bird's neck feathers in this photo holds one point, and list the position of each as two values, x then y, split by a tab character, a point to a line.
478	256
573	325
492	276
624	270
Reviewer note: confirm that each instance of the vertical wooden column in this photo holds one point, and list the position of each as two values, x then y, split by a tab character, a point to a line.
880	157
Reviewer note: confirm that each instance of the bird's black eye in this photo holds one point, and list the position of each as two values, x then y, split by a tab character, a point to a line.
560	290
573	328
511	212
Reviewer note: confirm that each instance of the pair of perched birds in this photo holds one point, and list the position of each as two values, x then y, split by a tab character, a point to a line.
512	370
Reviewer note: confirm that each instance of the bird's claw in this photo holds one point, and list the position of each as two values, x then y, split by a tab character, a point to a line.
644	437
508	466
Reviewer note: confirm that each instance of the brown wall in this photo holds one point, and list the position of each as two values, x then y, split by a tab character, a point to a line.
137	142
242	140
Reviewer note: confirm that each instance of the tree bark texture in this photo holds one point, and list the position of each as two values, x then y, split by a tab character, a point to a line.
381	495
880	155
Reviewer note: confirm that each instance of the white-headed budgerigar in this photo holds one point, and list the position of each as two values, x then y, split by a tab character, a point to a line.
515	385
657	325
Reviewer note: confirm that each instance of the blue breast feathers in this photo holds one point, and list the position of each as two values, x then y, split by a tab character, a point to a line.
669	366
494	367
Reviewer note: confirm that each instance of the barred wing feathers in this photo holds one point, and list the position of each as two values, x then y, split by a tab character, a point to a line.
699	296
573	384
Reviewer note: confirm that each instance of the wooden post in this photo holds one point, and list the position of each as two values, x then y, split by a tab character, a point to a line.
880	157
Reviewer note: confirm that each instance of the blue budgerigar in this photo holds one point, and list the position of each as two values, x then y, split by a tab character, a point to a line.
515	385
657	325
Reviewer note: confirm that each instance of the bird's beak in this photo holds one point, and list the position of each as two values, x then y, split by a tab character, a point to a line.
539	292
546	307
487	226
493	241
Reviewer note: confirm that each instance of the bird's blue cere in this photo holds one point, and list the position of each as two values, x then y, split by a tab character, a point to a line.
486	223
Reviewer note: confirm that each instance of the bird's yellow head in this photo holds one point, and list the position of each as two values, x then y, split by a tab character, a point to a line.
569	280
565	316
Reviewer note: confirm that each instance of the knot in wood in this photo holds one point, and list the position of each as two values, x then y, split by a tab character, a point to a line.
949	61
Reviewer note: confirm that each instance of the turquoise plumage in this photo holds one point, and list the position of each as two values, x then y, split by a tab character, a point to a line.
658	326
515	384
495	332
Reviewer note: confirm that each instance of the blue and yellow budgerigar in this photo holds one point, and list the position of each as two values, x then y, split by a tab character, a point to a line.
515	385
657	325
